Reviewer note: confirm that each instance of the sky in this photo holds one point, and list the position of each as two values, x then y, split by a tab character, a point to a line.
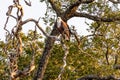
35	11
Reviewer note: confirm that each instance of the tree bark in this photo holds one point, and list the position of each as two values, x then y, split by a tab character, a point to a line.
45	57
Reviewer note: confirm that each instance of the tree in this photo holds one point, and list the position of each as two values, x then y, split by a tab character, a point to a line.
73	10
102	46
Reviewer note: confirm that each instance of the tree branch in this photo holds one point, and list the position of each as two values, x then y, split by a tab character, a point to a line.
26	70
116	67
73	7
74	33
86	1
106	54
71	10
45	55
57	10
96	18
36	22
28	3
39	27
115	2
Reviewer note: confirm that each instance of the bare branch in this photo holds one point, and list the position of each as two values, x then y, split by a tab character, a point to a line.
36	22
13	17
14	55
73	32
8	14
96	18
116	59
106	55
115	2
5	27
9	10
86	1
28	3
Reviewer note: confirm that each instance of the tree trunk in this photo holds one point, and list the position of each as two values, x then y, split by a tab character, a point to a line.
45	56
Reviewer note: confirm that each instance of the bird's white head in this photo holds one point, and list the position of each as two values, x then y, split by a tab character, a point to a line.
59	21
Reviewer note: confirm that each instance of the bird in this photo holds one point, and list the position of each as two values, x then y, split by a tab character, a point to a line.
63	28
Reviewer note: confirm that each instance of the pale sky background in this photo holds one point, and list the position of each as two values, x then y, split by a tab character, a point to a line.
35	11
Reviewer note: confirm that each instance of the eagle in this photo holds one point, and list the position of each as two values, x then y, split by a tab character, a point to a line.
63	28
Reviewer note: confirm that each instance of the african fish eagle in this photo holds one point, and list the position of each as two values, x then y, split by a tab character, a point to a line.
63	28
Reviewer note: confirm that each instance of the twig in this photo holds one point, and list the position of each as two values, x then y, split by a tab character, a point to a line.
106	54
73	32
87	54
36	22
28	3
39	27
114	1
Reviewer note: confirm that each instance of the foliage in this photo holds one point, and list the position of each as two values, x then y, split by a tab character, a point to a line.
97	53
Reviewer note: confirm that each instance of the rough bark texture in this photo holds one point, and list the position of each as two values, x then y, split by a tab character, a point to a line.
45	57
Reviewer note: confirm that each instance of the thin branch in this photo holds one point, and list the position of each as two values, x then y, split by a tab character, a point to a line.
66	50
13	17
87	54
28	3
36	22
106	55
86	1
5	27
9	10
96	18
8	14
114	1
73	32
116	59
